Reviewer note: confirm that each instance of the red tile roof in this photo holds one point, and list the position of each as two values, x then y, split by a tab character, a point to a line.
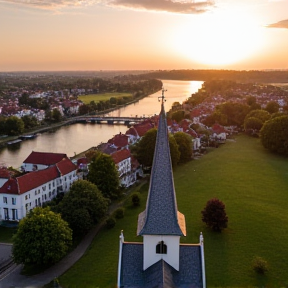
4	173
44	158
30	181
66	166
120	155
218	129
10	187
119	140
82	160
131	131
142	128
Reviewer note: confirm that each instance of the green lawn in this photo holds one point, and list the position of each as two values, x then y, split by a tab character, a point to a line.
101	97
254	186
6	234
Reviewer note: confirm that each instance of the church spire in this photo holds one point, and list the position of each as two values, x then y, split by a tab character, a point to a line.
161	216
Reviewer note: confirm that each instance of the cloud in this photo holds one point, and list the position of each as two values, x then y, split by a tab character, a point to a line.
173	6
280	24
187	7
50	4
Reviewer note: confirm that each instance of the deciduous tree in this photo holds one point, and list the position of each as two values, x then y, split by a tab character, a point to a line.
14	125
214	215
274	135
144	149
43	237
83	206
272	107
104	174
184	142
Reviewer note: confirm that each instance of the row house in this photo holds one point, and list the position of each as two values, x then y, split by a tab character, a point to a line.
128	167
119	141
137	131
21	194
41	160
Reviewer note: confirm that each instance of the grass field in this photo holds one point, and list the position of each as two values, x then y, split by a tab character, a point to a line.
101	97
254	186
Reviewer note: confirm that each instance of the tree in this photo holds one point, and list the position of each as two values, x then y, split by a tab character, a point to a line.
178	115
103	173
144	149
250	100
84	109
184	142
215	117
135	198
83	206
214	215
235	112
14	125
274	135
29	121
43	237
259	114
174	150
56	115
272	107
252	123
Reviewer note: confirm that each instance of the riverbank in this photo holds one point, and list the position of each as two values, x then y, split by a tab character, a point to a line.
70	121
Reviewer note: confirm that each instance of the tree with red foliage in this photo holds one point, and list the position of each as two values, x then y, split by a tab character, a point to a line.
214	215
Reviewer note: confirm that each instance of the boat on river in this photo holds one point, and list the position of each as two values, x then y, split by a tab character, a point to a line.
27	137
14	142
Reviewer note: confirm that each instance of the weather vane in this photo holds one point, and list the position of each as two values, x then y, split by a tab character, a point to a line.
162	97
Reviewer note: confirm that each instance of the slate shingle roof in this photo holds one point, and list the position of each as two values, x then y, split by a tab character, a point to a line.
160	274
161	214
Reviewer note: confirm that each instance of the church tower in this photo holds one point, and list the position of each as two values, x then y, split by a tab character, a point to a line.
161	224
161	260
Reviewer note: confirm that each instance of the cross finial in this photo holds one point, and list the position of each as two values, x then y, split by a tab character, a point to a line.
162	97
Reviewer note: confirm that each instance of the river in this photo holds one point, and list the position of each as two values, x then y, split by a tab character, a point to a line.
78	137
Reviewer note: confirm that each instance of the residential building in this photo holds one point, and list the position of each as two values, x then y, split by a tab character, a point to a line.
41	160
21	194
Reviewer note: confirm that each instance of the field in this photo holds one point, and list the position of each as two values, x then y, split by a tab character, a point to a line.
251	182
101	97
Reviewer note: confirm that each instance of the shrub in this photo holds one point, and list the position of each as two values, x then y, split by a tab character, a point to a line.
214	215
119	213
259	265
110	222
135	199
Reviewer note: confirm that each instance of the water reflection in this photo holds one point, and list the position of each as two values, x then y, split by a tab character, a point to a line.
80	137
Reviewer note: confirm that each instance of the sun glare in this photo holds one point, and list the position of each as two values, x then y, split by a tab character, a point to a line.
218	39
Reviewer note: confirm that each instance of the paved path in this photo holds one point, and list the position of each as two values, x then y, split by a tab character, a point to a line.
16	280
5	252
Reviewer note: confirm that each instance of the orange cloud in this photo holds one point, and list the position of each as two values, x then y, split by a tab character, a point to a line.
280	24
172	6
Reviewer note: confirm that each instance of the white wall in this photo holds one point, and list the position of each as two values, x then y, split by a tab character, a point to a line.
28	167
151	257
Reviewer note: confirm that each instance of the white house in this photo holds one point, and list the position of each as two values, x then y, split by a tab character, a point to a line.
21	194
122	160
41	160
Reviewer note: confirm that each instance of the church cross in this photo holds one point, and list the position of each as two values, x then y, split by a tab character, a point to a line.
162	97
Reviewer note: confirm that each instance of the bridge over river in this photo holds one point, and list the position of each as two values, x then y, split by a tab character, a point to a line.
109	120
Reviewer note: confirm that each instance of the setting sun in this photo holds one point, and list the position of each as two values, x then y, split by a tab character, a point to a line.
219	39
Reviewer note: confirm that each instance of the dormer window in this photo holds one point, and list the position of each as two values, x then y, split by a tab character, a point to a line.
161	248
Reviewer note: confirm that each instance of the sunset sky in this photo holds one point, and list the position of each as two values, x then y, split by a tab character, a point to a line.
42	35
